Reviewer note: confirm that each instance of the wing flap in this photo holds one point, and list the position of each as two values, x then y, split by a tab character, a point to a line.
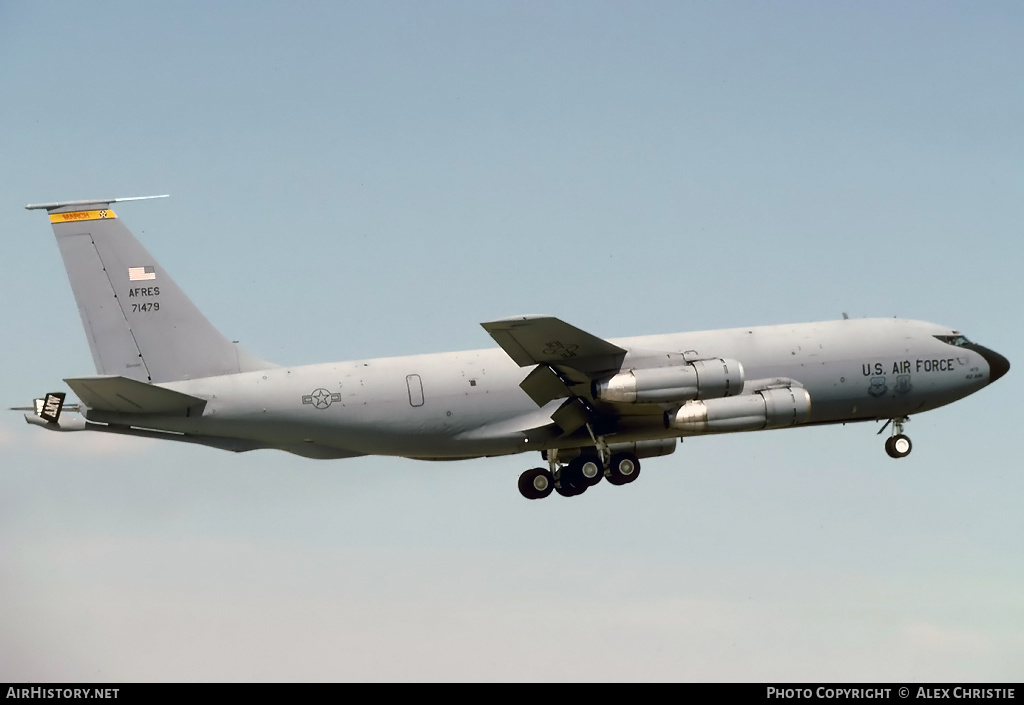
572	416
543	385
128	396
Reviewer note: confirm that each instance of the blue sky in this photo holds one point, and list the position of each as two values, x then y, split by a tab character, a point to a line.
352	180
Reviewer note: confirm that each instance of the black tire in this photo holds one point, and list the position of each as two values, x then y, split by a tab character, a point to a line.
623	469
566	490
536	483
586	470
569	482
898	446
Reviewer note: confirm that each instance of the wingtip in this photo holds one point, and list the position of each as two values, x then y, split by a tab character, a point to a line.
515	319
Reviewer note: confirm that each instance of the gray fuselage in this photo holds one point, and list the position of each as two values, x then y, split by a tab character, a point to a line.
469	404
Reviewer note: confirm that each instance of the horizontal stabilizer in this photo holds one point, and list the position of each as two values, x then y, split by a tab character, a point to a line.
128	396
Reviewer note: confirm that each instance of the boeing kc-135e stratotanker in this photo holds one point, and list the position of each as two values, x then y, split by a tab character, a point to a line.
591	407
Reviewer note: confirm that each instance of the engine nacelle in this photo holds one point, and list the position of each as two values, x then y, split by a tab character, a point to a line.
701	379
769	408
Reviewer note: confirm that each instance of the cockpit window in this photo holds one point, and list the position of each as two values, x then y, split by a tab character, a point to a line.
957	340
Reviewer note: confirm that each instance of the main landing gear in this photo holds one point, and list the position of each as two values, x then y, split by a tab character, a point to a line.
898	445
578	475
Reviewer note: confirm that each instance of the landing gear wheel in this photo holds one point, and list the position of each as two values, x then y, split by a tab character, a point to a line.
564	488
536	483
570	480
623	469
898	446
586	469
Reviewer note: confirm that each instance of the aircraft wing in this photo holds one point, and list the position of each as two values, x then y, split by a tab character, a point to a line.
544	340
566	360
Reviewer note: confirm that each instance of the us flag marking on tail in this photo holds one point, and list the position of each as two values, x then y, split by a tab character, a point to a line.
141	274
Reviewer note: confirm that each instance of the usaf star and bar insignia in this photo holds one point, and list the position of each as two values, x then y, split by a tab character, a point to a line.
321	398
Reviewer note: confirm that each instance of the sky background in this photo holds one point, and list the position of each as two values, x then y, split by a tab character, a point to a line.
353	180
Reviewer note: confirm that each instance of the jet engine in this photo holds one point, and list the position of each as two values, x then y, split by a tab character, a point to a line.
768	408
701	379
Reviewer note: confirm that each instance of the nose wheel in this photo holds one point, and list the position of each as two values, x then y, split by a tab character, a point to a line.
898	445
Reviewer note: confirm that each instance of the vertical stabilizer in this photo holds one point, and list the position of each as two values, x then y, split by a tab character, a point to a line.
139	324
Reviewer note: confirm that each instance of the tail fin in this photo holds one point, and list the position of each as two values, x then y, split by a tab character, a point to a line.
140	325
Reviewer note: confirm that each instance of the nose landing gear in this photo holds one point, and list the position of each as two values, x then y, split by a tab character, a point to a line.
898	445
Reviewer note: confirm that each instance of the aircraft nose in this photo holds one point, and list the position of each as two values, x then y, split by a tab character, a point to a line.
997	364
